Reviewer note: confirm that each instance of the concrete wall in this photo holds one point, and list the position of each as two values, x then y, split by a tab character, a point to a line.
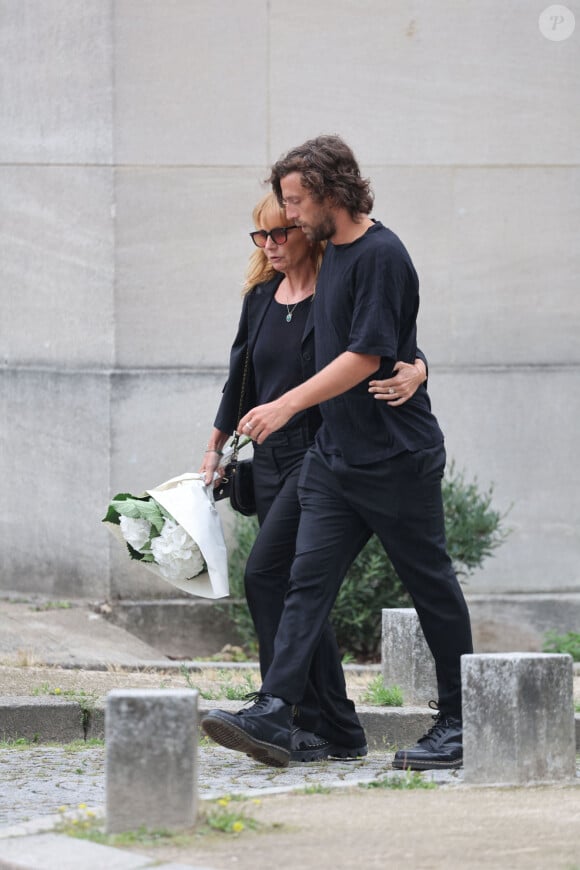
134	136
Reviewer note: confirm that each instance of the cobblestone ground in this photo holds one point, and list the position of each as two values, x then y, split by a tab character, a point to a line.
41	781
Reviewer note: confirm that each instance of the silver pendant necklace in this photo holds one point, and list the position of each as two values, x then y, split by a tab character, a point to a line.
290	311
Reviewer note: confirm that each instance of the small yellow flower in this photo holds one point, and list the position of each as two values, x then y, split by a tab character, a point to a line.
237	827
257	801
223	802
82	806
57	691
91	814
62	809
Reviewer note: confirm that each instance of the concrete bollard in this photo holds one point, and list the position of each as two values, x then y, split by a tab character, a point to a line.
518	718
150	759
406	659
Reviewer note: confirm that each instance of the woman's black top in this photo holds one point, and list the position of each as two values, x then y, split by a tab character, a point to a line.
277	356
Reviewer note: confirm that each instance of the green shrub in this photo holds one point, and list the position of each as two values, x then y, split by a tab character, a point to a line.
563	643
473	528
244	535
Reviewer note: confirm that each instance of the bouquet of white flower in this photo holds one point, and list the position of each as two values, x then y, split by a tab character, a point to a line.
175	531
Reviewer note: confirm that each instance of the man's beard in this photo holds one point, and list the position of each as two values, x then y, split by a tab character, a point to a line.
323	230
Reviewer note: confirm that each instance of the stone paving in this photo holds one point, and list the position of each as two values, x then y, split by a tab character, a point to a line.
38	783
41	781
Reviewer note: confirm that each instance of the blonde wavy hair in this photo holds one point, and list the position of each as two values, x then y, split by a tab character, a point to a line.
268	211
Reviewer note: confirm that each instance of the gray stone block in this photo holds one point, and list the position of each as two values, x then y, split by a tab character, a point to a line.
56	105
390	728
406	47
542	495
58	266
518	718
406	659
157	43
43	719
151	751
181	288
54	464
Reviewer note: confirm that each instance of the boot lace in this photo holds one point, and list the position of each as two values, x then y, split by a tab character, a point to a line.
259	699
438	722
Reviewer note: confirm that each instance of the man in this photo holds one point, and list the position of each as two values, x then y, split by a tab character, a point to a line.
373	467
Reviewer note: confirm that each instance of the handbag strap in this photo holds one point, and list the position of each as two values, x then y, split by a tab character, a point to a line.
236	438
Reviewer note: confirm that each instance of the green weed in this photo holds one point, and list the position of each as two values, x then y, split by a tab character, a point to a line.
229	690
80	745
84	824
187	676
72	747
380	695
229	820
227	815
53	605
20	742
411	779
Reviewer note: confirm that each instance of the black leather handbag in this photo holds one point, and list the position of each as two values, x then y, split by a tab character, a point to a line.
238	481
238	486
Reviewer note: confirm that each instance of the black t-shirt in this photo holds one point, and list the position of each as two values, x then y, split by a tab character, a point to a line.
367	300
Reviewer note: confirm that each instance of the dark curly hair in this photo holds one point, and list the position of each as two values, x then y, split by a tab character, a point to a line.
328	168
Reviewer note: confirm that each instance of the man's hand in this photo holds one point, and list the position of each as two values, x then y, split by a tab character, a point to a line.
398	389
336	378
262	420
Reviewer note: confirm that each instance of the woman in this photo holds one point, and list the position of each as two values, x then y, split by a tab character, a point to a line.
276	333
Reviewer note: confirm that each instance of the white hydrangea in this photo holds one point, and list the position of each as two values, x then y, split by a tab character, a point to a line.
176	553
135	532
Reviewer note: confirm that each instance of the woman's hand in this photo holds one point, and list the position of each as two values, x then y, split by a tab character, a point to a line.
404	384
211	464
212	457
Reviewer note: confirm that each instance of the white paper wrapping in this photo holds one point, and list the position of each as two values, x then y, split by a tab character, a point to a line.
191	505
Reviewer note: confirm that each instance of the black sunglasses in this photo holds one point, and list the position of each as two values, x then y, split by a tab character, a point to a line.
279	236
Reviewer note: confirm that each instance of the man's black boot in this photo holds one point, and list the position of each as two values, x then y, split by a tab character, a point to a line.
261	731
441	747
308	746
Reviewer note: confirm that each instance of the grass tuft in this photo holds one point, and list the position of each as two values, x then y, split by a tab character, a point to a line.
227	815
411	779
228	688
380	695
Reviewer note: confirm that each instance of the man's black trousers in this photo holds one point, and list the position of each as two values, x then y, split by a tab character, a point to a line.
398	499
